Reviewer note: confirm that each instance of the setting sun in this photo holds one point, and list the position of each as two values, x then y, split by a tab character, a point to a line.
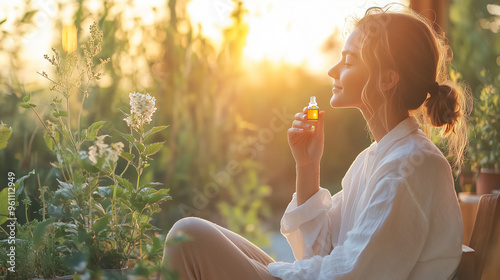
292	32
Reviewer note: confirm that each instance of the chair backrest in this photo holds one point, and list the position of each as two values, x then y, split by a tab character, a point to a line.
485	234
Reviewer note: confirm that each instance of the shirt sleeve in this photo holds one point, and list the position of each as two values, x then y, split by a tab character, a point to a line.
384	243
311	227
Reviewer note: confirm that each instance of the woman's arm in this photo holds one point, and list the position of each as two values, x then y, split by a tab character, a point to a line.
384	242
307	145
307	183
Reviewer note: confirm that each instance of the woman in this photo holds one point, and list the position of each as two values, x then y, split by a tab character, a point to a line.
397	216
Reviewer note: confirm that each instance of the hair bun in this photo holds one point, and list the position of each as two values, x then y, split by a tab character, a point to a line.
434	89
443	107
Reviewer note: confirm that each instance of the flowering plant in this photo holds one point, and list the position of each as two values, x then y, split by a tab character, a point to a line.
104	218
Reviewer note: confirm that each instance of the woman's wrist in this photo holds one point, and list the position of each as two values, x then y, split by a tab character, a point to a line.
307	166
307	181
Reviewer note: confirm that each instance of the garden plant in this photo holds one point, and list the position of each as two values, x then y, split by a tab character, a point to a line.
98	218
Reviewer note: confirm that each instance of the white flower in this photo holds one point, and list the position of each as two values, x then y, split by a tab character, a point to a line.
93	154
103	150
100	143
142	107
115	151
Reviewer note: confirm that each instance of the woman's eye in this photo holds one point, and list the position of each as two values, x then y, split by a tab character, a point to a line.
347	61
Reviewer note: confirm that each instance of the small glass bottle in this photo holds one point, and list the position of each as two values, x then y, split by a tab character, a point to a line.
312	110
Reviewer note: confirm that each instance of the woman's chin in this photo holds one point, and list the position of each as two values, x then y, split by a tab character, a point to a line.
337	101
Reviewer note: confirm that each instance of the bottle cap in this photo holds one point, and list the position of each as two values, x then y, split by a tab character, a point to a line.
313	101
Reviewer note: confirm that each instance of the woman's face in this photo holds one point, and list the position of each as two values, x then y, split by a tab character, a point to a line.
350	75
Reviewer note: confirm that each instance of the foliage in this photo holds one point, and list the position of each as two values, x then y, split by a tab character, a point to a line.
106	218
38	252
484	149
474	39
5	133
245	207
473	34
37	244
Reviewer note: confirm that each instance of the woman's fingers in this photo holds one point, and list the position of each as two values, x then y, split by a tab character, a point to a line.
301	124
300	116
300	121
294	130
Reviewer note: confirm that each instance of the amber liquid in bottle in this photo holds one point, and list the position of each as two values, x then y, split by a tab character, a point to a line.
312	110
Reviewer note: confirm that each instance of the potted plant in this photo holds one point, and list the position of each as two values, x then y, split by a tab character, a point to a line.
484	150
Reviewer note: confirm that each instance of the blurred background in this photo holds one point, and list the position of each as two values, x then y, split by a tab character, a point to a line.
228	76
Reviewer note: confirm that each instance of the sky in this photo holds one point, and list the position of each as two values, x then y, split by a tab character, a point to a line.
289	31
292	31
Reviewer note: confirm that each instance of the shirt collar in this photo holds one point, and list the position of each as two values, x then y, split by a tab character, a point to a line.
401	130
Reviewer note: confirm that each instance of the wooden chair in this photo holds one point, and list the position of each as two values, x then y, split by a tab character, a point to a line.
485	234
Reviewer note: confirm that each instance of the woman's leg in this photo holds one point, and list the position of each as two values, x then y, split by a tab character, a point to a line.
212	252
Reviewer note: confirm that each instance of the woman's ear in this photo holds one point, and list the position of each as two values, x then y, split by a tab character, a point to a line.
390	79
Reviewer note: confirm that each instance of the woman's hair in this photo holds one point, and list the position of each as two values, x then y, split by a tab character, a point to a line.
405	43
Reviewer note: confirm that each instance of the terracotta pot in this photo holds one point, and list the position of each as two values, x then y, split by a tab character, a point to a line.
488	181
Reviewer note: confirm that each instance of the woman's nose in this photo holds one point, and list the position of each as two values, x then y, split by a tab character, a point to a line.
333	72
330	72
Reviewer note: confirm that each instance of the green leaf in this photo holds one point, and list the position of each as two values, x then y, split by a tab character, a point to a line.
154	130
125	183
127	156
4	196
65	193
63	113
27	98
3	21
4	206
32	105
137	202
153	148
104	191
5	133
49	141
25	105
101	224
40	232
28	15
127	137
93	129
151	184
158	196
20	182
139	146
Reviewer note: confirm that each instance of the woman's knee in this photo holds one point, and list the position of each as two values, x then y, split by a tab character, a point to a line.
191	228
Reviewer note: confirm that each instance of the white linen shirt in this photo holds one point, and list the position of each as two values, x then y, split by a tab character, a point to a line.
397	217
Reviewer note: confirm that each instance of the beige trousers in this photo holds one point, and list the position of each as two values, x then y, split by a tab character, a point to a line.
214	253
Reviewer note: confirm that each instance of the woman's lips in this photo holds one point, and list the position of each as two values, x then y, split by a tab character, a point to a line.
336	89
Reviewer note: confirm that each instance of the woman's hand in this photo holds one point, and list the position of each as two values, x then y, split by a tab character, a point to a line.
305	142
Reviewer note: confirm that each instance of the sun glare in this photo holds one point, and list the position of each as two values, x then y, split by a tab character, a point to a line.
282	30
69	40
